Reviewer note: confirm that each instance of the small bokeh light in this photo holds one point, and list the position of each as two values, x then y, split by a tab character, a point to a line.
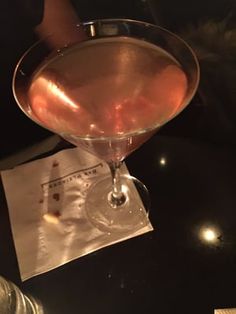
162	161
209	235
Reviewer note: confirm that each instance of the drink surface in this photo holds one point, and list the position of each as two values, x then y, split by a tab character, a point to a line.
107	89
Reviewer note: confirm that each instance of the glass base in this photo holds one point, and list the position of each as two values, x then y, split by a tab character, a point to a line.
13	301
130	216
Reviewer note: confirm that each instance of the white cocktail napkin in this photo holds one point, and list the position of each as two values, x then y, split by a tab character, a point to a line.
46	207
225	311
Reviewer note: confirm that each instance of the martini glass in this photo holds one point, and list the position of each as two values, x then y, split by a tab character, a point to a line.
108	90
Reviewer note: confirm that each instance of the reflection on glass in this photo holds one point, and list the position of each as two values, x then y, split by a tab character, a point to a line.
50	218
92	30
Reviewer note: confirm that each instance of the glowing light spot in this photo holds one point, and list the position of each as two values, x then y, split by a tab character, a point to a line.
125	189
130	141
92	30
209	235
50	218
93	127
118	107
162	161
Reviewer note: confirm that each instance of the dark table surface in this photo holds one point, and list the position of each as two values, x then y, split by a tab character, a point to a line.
170	270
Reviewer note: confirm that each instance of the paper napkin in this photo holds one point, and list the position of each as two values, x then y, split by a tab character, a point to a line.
46	201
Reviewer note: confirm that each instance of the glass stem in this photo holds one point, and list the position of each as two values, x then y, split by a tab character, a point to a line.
116	197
